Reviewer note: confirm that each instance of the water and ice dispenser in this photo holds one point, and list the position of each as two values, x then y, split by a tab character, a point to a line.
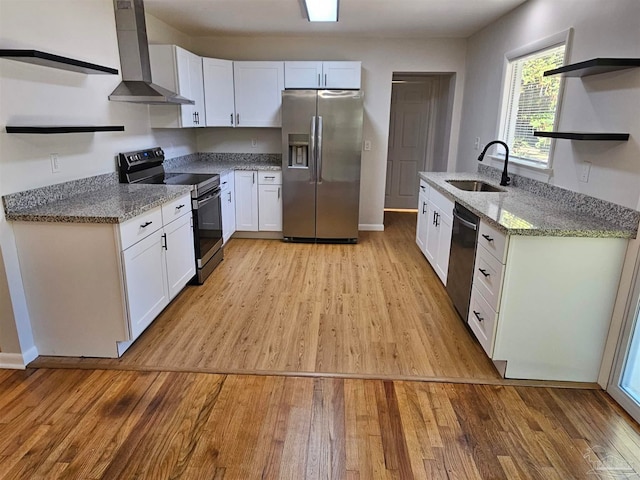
298	150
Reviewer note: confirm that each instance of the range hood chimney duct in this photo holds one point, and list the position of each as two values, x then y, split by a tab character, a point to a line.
136	85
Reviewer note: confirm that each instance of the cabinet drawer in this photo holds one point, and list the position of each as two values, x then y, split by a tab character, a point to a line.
441	202
269	177
226	180
493	240
176	208
482	321
140	227
487	276
424	188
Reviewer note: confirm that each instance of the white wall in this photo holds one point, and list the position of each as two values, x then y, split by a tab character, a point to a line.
607	103
37	95
380	58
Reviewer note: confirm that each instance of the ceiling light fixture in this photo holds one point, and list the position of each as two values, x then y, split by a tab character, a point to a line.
322	10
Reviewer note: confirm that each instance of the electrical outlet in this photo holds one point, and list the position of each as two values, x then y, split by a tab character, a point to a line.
476	143
584	172
367	145
55	163
254	142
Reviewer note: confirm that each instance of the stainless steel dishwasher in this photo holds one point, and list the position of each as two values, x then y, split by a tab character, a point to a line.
462	258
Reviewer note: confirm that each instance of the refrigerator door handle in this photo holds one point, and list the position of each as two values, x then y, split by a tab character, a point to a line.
319	155
312	148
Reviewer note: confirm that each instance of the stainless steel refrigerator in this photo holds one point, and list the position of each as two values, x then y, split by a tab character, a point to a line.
321	145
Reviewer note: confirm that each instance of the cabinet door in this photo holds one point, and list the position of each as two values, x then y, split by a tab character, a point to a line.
431	244
218	92
303	75
196	87
228	207
270	208
341	75
421	228
258	93
145	274
179	253
445	229
246	184
183	74
180	71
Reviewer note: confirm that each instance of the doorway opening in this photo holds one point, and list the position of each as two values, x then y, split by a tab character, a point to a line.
419	132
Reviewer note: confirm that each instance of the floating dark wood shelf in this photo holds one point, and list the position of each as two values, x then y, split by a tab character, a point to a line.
594	67
65	129
56	61
617	137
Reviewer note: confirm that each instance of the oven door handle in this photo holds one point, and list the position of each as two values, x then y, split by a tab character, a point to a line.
197	203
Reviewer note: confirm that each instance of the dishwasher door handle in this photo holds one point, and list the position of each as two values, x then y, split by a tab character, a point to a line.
464	222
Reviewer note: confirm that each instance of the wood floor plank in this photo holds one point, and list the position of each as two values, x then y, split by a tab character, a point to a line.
129	424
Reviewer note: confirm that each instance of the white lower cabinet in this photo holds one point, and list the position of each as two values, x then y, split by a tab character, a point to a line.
270	201
423	215
541	306
179	253
92	289
434	228
145	274
246	186
258	200
228	206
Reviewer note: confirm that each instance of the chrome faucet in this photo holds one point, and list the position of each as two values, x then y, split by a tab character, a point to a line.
505	178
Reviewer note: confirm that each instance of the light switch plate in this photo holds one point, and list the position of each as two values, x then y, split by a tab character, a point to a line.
367	145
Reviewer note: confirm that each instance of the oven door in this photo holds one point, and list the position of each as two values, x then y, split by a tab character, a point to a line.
207	216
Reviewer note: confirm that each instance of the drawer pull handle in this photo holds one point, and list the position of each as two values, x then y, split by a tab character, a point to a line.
269	177
180	206
487	237
477	314
484	272
424	207
145	225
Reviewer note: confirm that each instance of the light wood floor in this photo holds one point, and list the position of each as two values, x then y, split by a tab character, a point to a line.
371	309
105	424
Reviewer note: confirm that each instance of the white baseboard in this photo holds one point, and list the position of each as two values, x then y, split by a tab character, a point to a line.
258	235
371	227
18	361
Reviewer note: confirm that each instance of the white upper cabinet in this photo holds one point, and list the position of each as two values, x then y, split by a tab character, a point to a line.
258	93
337	75
219	95
180	71
341	74
303	74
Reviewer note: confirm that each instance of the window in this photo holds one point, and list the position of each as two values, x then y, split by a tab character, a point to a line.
531	102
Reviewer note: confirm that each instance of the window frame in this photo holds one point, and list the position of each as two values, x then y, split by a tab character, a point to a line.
520	166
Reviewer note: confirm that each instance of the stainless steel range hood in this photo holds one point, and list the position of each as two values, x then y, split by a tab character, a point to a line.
136	85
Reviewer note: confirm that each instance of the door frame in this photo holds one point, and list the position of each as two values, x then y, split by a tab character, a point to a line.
630	325
440	115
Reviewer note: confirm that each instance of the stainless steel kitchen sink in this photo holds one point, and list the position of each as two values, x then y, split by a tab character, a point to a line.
474	186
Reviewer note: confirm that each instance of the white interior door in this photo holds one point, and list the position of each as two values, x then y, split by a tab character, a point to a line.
624	385
411	103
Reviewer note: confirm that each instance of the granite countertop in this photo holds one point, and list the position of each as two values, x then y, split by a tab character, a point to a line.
101	199
113	203
519	212
219	167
